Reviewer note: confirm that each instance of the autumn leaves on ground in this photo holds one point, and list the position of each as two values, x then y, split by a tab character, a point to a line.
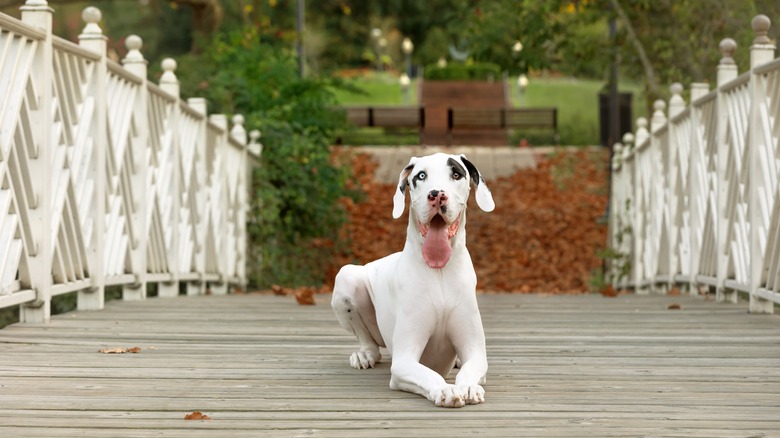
543	236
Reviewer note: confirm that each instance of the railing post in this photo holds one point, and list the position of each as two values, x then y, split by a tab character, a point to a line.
255	147
761	52
38	13
198	287
642	135
614	211
92	38
220	287
658	119
673	191
699	90
239	133
135	63
641	131
726	72
170	84
697	160
658	201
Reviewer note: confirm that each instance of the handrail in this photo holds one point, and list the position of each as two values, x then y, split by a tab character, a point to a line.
121	184
694	203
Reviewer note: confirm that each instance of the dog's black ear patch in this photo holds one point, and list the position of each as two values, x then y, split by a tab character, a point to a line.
472	169
456	167
405	178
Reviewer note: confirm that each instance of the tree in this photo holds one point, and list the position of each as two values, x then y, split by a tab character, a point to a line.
681	38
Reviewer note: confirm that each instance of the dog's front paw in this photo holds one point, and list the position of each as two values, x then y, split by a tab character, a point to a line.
448	396
473	394
362	360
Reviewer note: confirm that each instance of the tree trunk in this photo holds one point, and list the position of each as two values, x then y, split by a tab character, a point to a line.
651	84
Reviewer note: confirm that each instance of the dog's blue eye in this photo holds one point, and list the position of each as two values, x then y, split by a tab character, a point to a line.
421	176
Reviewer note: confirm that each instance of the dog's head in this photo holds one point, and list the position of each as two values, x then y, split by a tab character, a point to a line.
439	187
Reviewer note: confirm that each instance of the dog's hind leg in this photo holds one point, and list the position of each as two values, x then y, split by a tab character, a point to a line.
355	311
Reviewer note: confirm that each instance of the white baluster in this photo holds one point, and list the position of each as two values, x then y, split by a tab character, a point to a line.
761	52
41	250
726	72
658	118
200	217
642	134
135	63
255	147
92	38
170	84
220	287
699	90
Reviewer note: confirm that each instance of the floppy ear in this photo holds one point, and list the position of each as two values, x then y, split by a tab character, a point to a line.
399	199
483	196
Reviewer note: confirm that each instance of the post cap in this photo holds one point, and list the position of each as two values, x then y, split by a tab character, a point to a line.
760	25
727	48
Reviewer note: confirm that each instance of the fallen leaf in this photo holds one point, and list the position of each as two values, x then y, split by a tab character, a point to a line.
609	292
674	291
278	290
197	415
305	296
674	307
120	350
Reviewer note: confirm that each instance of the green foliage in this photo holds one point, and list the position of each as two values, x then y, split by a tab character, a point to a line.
296	212
456	71
681	38
490	30
585	51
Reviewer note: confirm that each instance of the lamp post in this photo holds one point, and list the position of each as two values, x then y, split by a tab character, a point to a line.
376	36
407	47
382	45
404	81
522	84
517	47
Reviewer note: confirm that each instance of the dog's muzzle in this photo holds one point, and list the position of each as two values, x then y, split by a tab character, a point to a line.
437	233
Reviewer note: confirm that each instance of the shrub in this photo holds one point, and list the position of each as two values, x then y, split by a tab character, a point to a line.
295	213
478	71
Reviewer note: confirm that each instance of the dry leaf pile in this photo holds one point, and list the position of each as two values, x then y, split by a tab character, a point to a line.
542	237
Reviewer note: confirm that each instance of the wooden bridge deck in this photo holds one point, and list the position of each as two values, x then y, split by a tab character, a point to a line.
263	366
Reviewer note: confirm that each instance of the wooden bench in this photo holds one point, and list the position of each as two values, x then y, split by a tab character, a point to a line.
502	119
395	120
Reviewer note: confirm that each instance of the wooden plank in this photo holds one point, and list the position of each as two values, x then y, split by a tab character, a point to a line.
262	366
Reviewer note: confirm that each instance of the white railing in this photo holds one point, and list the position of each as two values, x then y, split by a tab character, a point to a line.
107	179
695	202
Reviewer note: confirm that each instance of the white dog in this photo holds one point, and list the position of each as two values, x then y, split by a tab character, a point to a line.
421	303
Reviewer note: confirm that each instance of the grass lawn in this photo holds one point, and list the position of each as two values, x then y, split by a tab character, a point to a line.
577	103
375	89
576	100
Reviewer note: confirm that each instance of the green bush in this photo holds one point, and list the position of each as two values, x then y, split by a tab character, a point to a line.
295	213
477	71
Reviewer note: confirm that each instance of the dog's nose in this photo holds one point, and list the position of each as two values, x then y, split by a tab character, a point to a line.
437	197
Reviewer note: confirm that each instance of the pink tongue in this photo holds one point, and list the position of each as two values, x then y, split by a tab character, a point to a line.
436	248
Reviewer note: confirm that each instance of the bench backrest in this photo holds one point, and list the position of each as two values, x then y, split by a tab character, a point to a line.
388	117
502	118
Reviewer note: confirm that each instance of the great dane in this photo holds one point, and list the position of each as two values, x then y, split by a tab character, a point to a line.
421	303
